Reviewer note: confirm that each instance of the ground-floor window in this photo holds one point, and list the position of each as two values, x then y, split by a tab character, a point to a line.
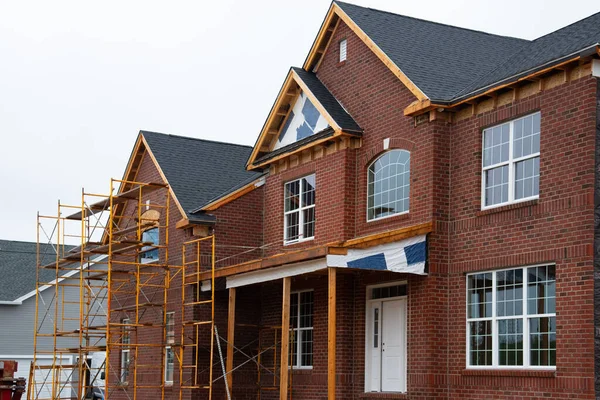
301	325
169	354
125	352
385	344
511	318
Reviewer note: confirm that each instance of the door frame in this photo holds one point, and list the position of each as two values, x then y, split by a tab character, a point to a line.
369	333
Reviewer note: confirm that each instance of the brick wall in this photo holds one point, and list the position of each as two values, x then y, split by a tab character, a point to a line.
239	229
446	189
597	245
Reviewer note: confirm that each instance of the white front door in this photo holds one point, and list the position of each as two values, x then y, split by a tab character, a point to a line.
386	345
393	346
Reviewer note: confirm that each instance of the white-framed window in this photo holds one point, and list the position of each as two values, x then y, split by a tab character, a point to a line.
301	327
299	210
125	351
511	162
388	185
169	352
149	254
343	49
511	318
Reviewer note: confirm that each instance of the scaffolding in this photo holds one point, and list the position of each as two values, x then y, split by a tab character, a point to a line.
104	279
197	316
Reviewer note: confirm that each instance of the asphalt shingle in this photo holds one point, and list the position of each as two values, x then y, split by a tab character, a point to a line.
449	63
199	170
440	59
18	261
330	103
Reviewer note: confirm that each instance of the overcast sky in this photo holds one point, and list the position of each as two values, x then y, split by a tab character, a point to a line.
79	79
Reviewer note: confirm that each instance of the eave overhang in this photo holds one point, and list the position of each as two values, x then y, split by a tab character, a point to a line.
420	107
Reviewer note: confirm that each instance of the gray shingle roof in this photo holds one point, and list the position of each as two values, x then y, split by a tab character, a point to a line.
562	43
199	170
18	265
448	63
330	103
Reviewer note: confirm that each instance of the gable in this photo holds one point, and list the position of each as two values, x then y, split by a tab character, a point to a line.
304	112
474	63
303	120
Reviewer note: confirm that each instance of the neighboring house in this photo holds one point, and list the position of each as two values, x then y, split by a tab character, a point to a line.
416	220
18	262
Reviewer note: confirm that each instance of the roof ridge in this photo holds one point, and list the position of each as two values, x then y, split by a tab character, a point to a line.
195	138
19	241
434	22
566	26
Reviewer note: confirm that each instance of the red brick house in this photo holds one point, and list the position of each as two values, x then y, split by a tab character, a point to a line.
417	219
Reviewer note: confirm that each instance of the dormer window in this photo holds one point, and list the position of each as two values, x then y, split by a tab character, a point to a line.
343	50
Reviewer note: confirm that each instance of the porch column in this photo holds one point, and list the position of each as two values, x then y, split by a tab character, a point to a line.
285	339
331	336
230	338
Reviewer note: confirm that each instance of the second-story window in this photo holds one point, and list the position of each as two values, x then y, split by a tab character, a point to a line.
389	185
149	253
511	162
299	209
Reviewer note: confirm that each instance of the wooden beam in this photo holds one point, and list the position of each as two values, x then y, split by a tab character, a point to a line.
316	102
272	114
389	236
230	338
418	108
220	202
331	334
285	339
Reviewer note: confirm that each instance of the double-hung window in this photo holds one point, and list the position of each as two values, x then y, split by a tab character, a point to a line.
299	210
511	162
511	318
169	355
301	325
125	352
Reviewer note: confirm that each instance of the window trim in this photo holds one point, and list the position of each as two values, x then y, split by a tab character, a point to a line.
343	42
298	343
299	210
525	317
511	162
367	197
169	346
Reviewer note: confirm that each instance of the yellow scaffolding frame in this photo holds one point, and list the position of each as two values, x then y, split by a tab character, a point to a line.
122	298
197	256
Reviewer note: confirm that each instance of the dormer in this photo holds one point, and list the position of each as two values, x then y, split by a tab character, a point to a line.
306	122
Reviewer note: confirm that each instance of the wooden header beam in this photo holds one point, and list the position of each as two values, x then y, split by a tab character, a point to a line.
339	248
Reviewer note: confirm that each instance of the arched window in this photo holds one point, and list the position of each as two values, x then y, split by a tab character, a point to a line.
389	185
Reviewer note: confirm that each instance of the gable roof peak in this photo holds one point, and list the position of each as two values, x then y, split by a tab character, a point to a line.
194	138
346	4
